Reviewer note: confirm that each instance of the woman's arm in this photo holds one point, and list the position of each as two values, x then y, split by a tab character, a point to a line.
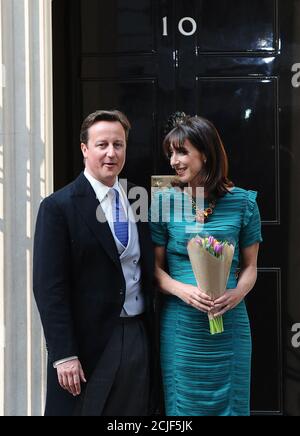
247	279
189	294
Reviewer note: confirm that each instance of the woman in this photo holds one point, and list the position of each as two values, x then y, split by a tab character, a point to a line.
204	374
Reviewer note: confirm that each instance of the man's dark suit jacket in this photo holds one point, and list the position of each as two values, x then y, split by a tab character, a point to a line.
78	282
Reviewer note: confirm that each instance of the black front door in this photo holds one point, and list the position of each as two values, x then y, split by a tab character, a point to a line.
236	63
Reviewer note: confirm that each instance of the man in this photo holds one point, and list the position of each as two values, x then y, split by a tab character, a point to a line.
92	280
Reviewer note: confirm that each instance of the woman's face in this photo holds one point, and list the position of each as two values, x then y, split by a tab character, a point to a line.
187	162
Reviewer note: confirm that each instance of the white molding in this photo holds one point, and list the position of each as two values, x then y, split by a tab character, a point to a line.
26	176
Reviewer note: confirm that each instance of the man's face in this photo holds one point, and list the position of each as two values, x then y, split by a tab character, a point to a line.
105	151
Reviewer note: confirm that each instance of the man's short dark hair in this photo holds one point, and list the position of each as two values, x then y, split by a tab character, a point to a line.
103	115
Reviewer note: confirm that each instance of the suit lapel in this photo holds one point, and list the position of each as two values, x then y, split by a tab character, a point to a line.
89	208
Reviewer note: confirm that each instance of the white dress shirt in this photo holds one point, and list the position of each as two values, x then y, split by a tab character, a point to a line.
105	196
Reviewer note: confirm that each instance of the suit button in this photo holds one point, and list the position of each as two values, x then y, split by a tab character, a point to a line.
121	292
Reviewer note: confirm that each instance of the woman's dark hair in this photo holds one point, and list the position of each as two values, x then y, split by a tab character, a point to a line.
102	115
203	135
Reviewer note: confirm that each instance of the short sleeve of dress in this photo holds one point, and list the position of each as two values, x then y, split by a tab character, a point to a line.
157	222
251	225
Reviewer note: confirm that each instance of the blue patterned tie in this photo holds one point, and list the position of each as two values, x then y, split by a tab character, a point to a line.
120	220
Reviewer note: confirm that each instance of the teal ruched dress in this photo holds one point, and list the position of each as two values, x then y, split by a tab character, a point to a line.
204	374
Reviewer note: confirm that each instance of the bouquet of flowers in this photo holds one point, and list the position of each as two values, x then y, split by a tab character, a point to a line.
211	261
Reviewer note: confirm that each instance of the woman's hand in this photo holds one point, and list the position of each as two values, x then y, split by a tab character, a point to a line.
247	278
190	294
227	301
193	296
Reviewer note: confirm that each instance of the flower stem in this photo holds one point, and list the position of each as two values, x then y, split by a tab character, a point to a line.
216	325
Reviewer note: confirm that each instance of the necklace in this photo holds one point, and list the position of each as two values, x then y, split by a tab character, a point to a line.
203	214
